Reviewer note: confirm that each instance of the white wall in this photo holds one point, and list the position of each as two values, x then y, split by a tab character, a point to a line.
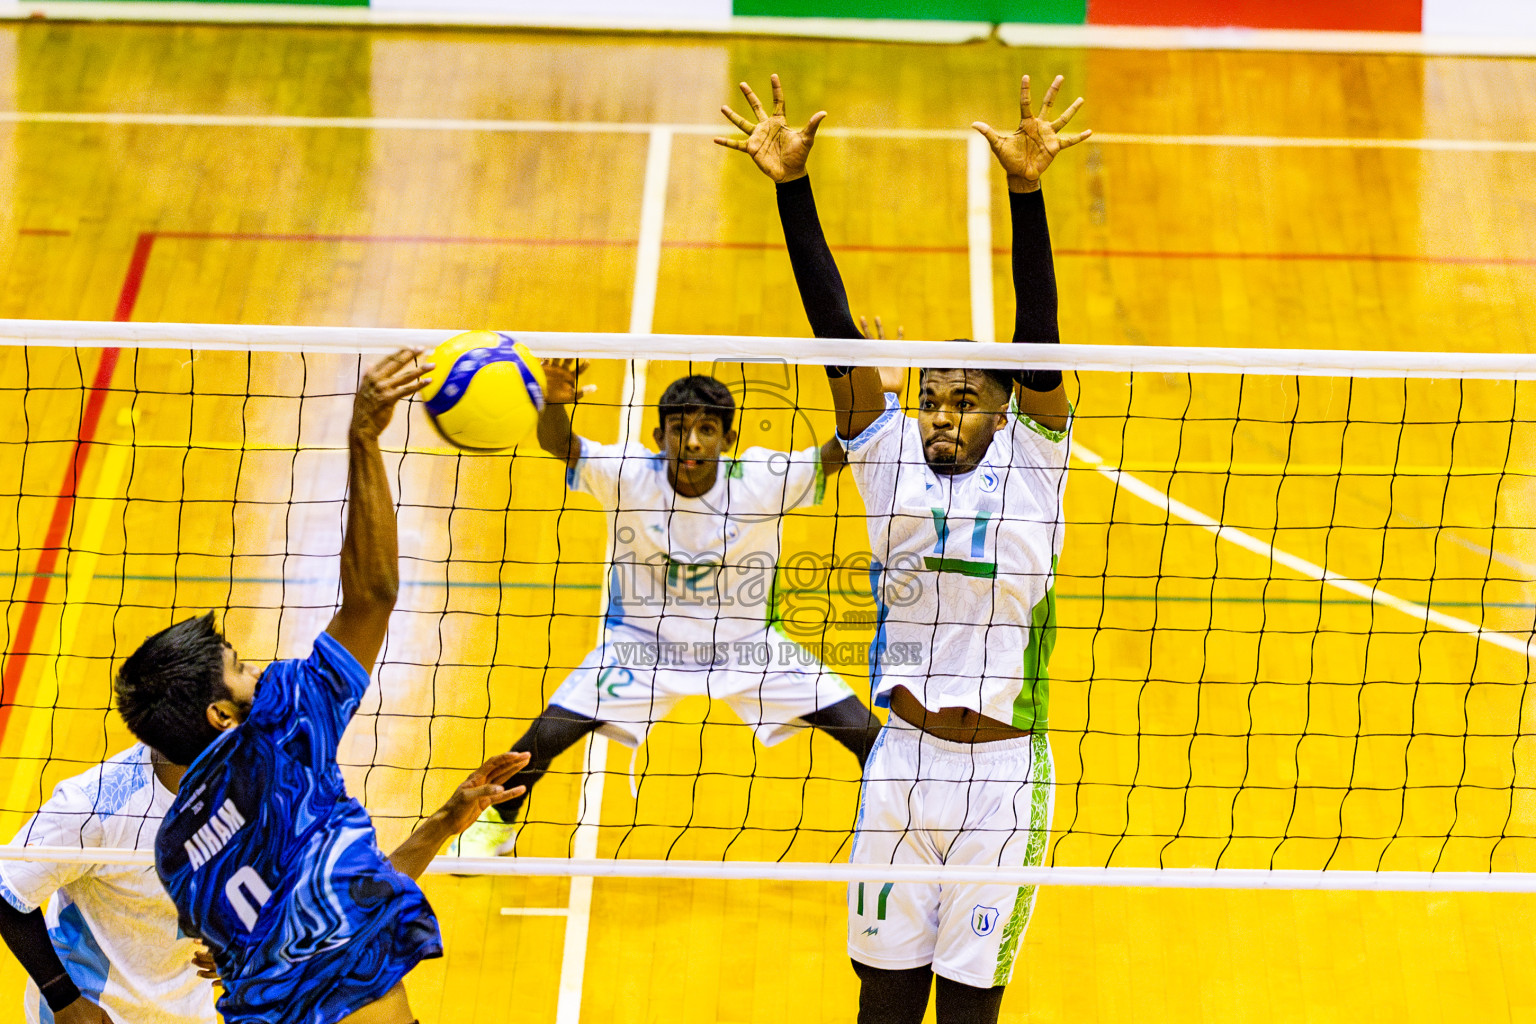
618	12
1480	17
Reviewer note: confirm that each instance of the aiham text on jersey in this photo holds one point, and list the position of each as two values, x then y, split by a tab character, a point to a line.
207	841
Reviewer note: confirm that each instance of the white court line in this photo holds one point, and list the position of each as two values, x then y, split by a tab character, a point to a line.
978	219
1422	614
653	210
451	124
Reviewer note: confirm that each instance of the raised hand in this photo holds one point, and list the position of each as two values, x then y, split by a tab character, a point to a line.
392	378
1029	151
778	150
560	381
484	787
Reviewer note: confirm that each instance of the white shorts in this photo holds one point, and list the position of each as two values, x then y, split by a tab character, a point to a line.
631	681
929	801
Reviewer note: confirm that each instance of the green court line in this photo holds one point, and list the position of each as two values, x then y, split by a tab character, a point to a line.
864	594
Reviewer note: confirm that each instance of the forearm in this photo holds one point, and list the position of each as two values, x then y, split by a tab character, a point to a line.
1034	283
820	284
27	937
1034	270
370	551
412	856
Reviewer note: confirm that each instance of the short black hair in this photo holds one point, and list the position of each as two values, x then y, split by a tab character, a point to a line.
1002	378
697	393
165	687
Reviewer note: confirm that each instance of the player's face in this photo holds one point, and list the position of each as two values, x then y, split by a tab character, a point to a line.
957	414
241	680
692	443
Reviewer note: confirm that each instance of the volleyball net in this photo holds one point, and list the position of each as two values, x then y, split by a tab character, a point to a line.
1293	609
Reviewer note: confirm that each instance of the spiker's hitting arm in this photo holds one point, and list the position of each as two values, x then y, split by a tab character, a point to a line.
370	555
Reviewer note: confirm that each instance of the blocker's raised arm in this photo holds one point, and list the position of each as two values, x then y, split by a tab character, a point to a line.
1025	155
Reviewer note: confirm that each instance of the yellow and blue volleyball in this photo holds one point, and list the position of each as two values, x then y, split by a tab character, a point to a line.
486	393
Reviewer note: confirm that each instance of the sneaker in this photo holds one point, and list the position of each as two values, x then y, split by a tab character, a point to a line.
487	837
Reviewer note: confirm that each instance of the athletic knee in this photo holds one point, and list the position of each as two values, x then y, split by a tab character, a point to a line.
554	732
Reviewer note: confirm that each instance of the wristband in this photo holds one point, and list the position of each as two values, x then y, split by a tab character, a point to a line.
59	992
1039	380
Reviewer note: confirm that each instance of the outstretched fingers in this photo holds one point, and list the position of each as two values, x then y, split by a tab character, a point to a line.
387	366
403	383
1068	141
1025	113
1066	115
497	795
1050	95
989	133
812	125
736	119
778	96
503	766
753	102
407	380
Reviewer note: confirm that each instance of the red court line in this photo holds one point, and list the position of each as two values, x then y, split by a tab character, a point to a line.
958	250
1324	257
258	236
128	297
54	539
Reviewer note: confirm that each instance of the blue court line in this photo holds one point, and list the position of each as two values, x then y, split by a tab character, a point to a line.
862	594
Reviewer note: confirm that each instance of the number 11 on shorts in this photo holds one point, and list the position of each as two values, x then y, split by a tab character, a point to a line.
880	901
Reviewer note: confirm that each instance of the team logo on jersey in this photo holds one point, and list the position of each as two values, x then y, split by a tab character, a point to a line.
983	920
988	481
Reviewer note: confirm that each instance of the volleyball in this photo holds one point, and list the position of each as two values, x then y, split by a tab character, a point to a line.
486	392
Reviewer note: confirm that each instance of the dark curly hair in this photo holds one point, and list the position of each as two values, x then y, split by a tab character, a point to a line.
165	687
1002	379
697	393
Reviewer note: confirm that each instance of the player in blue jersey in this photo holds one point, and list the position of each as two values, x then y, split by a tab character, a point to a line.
265	856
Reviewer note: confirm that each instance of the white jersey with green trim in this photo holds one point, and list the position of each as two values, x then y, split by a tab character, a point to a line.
965	565
112	925
695	570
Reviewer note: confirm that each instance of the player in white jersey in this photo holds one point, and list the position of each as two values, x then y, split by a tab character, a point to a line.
111	932
965	525
109	947
690	587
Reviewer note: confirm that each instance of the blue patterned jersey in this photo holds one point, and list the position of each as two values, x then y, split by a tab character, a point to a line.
271	863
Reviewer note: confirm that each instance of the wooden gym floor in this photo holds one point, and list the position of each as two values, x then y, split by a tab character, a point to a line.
1211	707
